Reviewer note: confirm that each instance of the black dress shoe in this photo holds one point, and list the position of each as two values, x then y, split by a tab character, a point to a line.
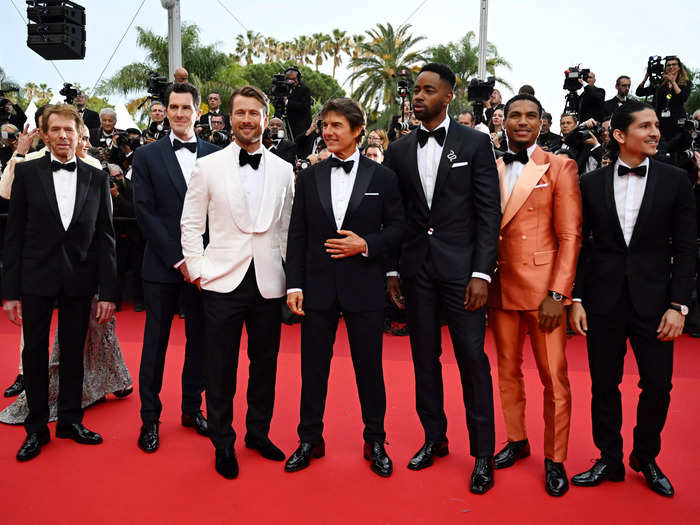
513	451
482	475
556	483
78	433
303	454
425	456
197	422
32	445
15	388
124	392
226	463
149	440
656	479
599	472
267	449
380	462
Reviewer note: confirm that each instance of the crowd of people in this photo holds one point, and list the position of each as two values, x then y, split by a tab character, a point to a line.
240	220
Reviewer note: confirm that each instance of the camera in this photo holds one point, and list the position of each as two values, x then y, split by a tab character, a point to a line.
5	113
9	135
478	92
203	131
576	138
655	70
281	87
268	134
220	138
68	92
302	164
156	86
157	130
572	76
403	85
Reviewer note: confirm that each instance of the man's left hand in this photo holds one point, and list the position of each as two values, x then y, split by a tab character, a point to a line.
476	294
671	325
105	311
550	313
349	246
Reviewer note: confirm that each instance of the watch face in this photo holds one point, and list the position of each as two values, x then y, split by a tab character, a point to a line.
684	309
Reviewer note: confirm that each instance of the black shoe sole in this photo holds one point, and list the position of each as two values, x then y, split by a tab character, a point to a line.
149	450
616	478
480	492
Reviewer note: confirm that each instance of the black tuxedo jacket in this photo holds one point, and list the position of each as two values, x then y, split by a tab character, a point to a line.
305	143
592	104
460	231
204	119
299	109
658	266
96	135
374	212
91	119
41	257
159	193
611	105
286	150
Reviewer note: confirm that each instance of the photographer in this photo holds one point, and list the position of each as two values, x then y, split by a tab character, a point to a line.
218	134
298	102
622	84
90	118
466	118
669	95
11	113
498	135
581	142
547	140
494	102
214	103
159	126
308	142
592	102
273	139
8	143
126	143
103	137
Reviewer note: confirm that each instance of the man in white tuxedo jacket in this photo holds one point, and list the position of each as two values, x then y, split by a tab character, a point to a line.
246	192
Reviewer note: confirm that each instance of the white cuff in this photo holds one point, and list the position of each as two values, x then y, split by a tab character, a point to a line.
483	276
178	263
576	300
293	290
392	274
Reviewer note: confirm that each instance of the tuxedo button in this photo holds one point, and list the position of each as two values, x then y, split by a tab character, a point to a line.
500	237
530	208
524	237
430	231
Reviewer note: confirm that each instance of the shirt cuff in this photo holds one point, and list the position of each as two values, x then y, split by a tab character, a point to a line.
576	300
293	290
483	276
392	274
595	147
178	263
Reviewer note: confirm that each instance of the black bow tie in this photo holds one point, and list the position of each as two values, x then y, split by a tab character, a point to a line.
192	146
246	158
438	134
521	156
56	165
346	165
641	171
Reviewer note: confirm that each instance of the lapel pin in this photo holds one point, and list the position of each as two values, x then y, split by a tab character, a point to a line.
451	156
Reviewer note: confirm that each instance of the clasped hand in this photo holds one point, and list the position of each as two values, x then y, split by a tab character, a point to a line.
352	244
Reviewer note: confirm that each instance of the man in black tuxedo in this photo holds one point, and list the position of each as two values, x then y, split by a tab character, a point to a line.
547	140
448	179
622	84
346	218
592	101
273	139
214	103
59	248
634	281
91	118
160	175
298	103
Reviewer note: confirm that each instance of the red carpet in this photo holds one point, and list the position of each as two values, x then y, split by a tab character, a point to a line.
117	483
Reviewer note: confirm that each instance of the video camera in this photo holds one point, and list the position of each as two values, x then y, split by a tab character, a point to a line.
572	84
655	69
576	138
156	86
403	85
68	92
478	92
157	130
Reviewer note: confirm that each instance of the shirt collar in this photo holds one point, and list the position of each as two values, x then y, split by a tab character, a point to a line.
620	162
530	149
172	136
72	159
237	148
444	124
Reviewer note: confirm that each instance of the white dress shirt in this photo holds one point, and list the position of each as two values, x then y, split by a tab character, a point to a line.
514	169
428	158
185	158
65	183
341	188
629	192
252	181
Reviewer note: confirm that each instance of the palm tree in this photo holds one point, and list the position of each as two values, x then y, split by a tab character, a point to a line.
387	52
338	43
356	42
249	45
301	49
319	48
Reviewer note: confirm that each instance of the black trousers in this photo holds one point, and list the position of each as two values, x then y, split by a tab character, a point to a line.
73	319
318	330
426	298
607	344
162	303
225	314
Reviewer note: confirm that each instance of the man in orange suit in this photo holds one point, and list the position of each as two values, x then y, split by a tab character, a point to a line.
537	252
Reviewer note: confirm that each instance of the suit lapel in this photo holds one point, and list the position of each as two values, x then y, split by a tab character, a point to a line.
531	174
610	206
502	184
448	150
323	185
46	177
234	192
365	171
83	184
263	219
172	166
414	172
647	202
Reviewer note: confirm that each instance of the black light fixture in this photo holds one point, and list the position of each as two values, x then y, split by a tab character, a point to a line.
58	31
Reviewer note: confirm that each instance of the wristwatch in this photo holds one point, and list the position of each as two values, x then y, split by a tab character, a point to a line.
556	296
683	309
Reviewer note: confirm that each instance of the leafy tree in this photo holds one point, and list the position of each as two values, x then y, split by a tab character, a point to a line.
693	102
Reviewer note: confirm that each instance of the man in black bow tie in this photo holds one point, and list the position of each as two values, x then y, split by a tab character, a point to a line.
347	217
244	194
633	281
161	173
448	179
59	249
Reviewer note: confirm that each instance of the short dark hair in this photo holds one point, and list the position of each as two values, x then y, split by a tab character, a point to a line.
523	96
39	112
443	71
373	145
467	112
621	119
572	115
183	87
350	109
251	92
547	116
617	82
526	89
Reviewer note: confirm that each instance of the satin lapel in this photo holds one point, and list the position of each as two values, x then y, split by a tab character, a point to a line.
268	201
449	147
322	175
46	177
532	172
501	167
172	166
234	192
647	202
201	145
611	208
83	184
365	171
414	172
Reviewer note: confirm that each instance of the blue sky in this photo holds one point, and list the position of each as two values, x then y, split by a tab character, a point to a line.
539	38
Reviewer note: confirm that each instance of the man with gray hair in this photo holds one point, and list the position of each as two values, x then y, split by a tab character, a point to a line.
102	137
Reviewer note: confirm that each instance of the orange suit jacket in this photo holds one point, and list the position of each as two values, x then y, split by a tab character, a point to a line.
540	234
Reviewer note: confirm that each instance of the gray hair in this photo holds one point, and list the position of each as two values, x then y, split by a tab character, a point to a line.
114	167
108	111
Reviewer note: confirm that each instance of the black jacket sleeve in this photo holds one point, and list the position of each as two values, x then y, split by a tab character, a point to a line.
296	238
487	202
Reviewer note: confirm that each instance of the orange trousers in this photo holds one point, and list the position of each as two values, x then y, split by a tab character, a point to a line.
510	328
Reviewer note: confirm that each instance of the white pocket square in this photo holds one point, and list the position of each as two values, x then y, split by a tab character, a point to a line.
458	164
372	194
541	186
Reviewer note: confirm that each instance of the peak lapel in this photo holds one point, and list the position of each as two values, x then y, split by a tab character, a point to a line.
172	166
532	172
84	177
610	205
501	167
449	147
46	177
264	215
647	203
414	172
322	174
234	191
365	171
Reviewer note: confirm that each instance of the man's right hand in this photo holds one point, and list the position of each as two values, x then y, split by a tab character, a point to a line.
185	272
393	288
295	301
24	141
13	309
577	319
